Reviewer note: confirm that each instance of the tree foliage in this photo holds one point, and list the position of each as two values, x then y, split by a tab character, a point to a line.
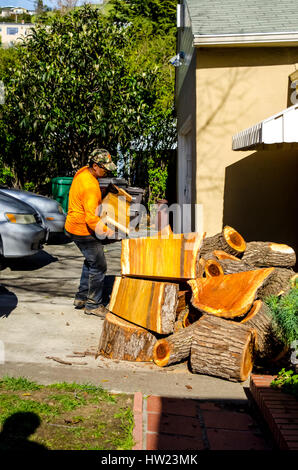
160	14
153	23
85	80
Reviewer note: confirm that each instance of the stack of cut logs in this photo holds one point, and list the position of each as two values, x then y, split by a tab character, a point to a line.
187	296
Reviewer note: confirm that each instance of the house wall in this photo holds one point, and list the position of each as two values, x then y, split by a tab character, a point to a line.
18	31
260	196
186	121
235	89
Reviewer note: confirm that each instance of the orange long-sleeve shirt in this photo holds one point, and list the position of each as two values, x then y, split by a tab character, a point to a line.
83	203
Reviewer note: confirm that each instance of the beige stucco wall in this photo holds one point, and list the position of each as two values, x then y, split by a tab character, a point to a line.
235	89
260	196
22	31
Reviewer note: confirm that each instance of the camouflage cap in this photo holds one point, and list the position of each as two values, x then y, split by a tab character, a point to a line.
103	157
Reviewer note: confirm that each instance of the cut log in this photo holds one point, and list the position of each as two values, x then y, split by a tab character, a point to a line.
220	254
172	257
149	304
230	266
200	266
264	254
122	340
228	240
115	210
268	345
179	323
222	348
278	284
175	348
186	317
184	297
228	296
224	265
213	268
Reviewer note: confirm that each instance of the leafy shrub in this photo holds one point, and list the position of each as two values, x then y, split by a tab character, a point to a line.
284	310
6	175
287	381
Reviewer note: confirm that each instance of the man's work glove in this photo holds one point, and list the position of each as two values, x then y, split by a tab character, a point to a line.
102	231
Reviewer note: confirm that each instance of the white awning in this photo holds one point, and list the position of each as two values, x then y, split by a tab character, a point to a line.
280	128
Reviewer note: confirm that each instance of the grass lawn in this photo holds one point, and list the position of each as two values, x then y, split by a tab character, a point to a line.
63	416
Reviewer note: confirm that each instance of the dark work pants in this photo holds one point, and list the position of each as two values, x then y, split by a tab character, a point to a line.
93	271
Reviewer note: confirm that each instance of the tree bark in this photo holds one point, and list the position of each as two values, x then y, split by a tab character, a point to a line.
228	240
228	296
222	348
149	304
268	345
262	254
122	340
175	348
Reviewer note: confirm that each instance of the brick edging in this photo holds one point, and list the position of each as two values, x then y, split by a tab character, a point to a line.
138	421
279	409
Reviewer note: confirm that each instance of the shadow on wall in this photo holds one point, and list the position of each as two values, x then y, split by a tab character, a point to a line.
260	197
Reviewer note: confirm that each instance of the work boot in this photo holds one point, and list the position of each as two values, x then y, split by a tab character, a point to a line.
100	311
79	303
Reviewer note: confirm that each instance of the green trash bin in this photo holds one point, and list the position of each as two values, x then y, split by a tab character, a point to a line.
60	189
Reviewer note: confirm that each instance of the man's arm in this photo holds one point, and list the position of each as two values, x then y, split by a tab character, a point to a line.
91	201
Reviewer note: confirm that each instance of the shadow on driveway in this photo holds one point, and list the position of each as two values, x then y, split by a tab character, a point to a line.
8	302
31	263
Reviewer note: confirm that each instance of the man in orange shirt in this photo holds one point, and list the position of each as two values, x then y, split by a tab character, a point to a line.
86	229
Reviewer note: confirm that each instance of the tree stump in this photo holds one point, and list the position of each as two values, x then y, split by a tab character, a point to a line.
279	283
175	348
149	304
222	348
228	296
229	240
268	345
122	340
262	254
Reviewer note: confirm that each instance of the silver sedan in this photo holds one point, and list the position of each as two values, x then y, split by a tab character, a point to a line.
51	212
21	233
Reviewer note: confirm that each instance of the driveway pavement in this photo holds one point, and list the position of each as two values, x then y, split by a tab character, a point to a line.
38	320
